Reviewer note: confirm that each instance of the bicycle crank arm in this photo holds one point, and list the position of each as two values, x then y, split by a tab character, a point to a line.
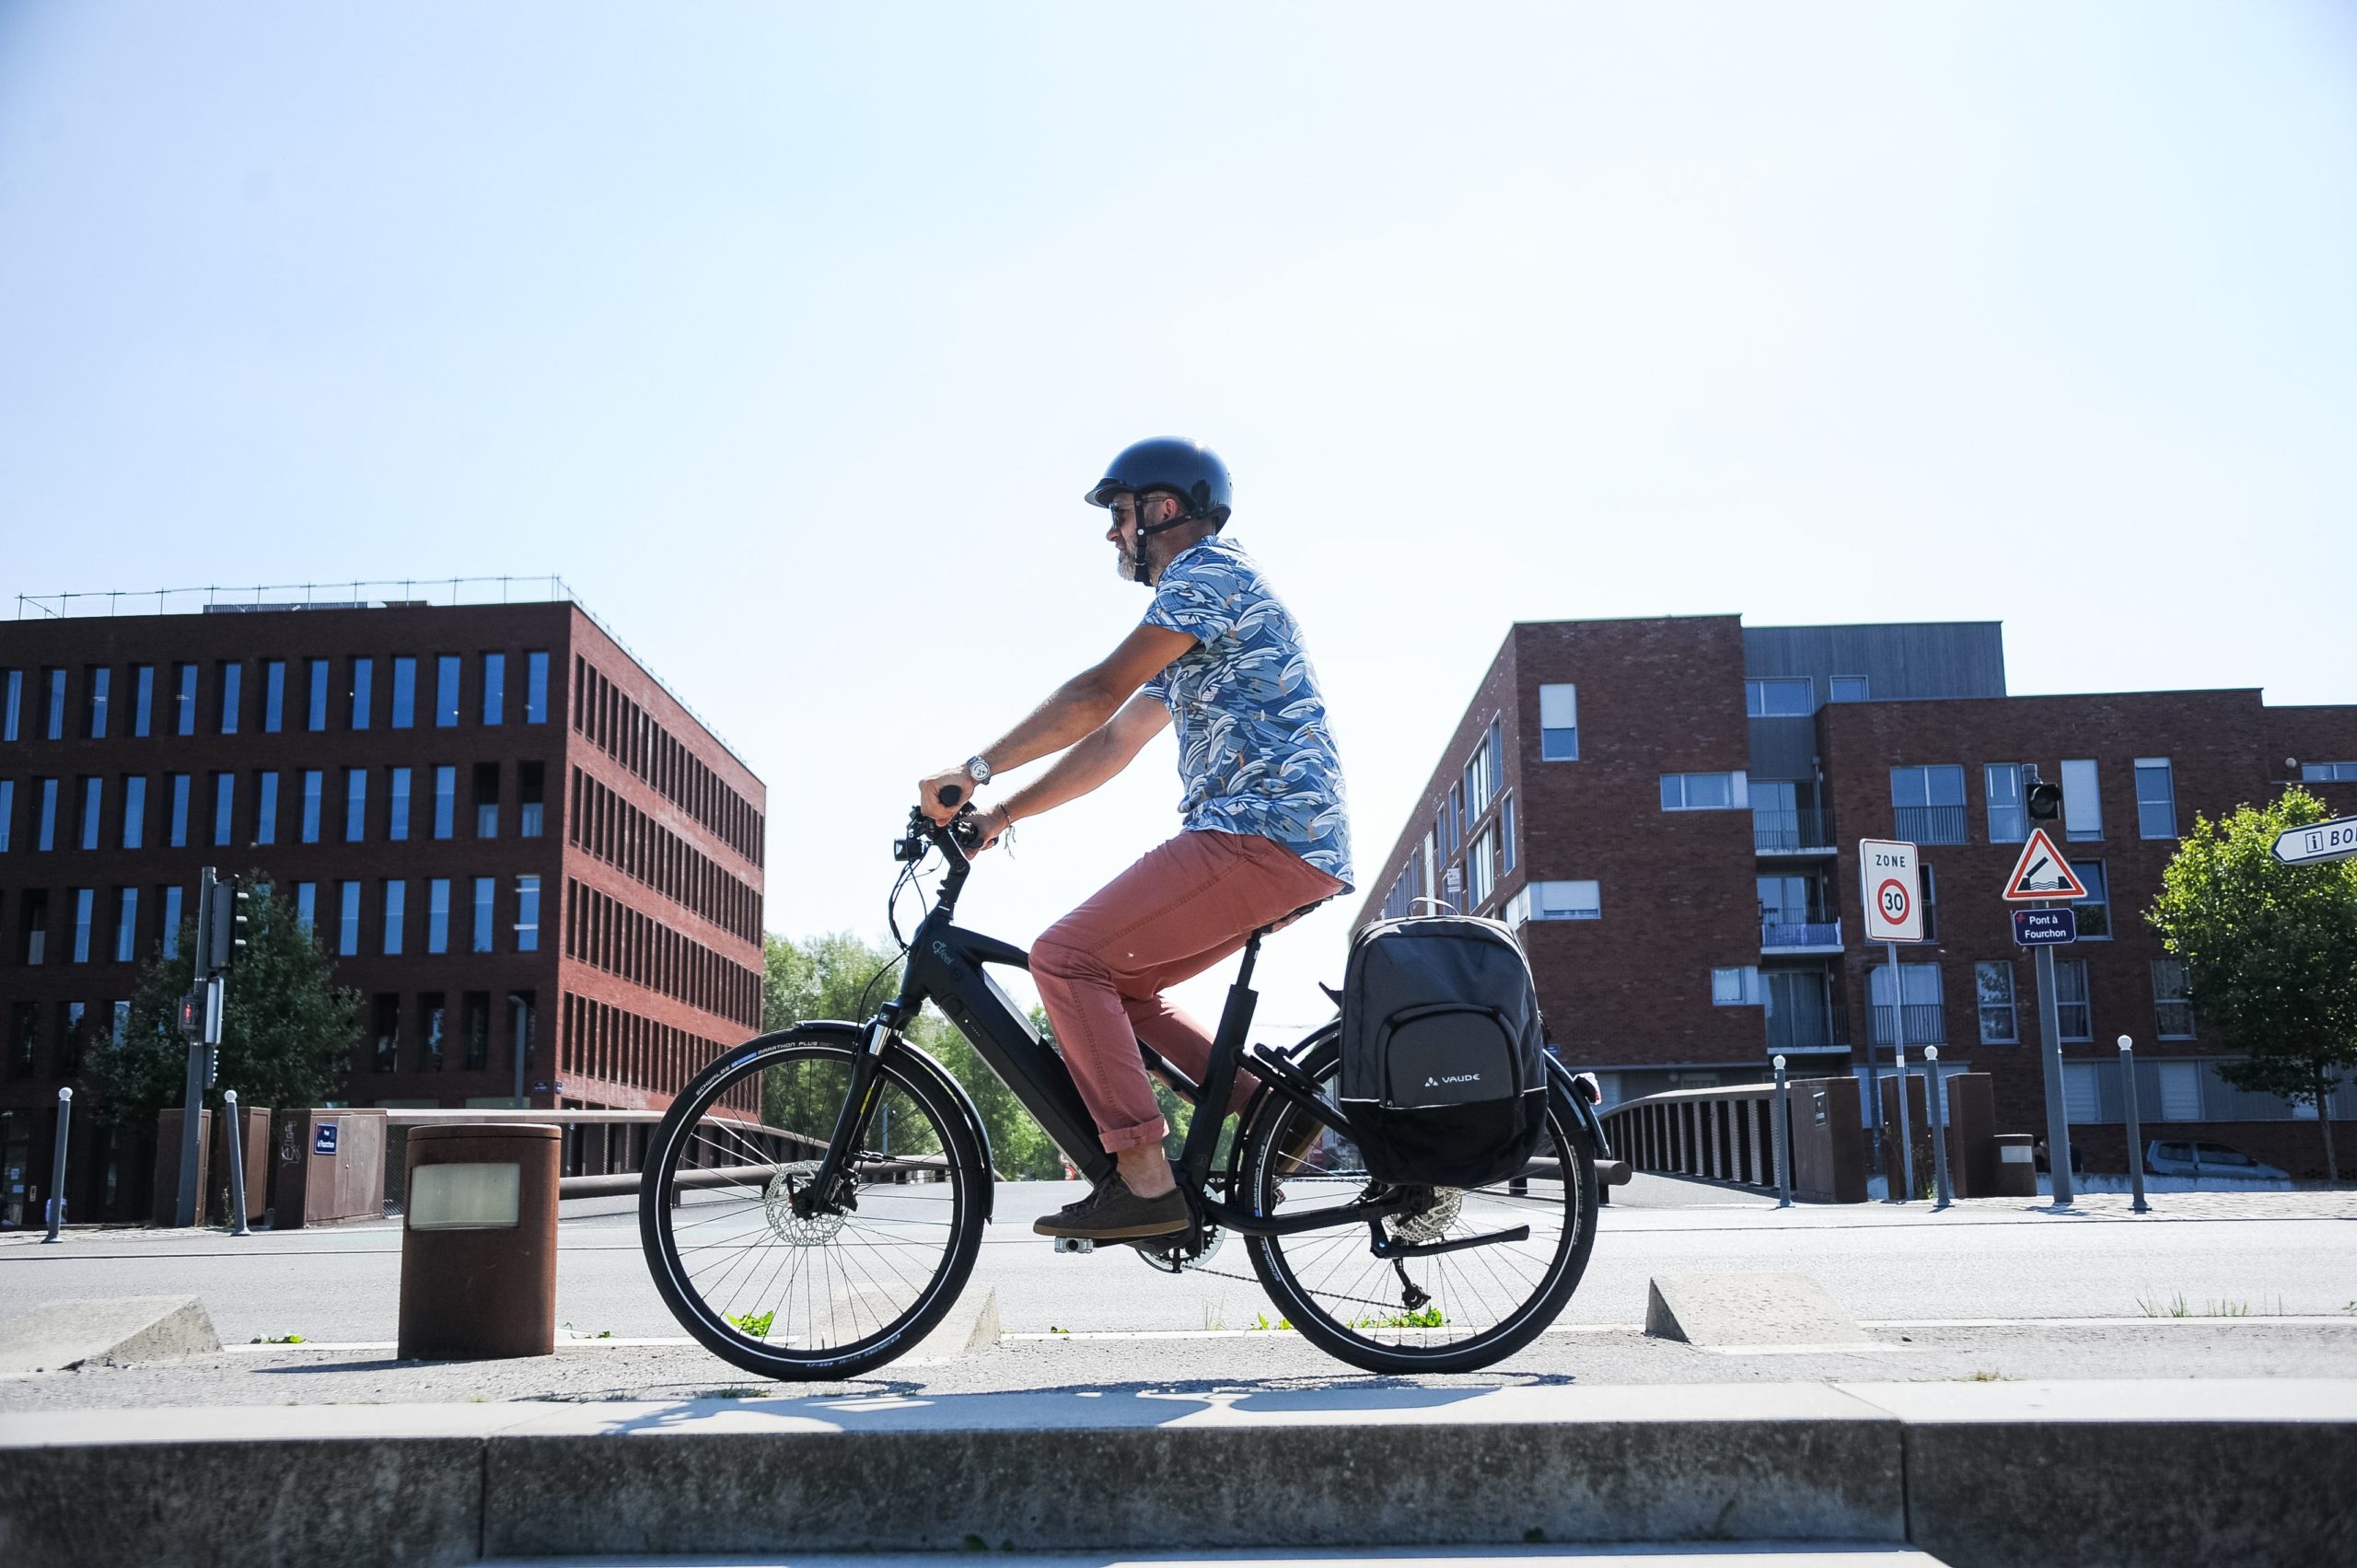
1387	1248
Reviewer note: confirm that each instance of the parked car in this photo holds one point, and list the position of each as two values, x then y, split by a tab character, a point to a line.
2166	1157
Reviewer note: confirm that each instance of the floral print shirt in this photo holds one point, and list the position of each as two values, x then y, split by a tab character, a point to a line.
1255	752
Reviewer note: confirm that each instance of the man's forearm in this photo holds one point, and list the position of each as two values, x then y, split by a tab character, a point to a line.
1098	757
1075	709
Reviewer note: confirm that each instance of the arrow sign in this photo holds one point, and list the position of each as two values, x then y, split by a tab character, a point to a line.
2042	873
2318	842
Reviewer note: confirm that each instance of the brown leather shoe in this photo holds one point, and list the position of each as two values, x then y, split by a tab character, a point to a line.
1114	1213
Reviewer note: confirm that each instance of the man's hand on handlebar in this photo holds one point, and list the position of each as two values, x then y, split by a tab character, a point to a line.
988	825
940	795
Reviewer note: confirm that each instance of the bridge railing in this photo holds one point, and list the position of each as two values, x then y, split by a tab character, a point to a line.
1727	1134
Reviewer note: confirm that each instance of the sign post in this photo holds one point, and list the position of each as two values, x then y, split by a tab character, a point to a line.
2318	842
2041	875
200	1025
1890	883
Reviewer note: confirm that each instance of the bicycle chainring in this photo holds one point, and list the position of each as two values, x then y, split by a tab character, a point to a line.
1177	1254
777	1202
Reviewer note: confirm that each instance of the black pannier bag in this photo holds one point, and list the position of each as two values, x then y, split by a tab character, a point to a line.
1444	1076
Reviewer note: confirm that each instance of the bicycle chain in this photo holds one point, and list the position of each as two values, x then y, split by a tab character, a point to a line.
1254	1280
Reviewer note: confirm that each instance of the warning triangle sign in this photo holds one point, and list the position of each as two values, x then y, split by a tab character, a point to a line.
2042	873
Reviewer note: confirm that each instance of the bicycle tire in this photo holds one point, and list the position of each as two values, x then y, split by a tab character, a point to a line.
909	1078
1412	1347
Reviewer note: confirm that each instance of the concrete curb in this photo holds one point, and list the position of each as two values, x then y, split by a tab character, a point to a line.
2088	1473
57	1335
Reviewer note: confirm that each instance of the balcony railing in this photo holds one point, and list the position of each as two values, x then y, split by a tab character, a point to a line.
1785	935
1931	824
1812	1028
1926	1024
1776	832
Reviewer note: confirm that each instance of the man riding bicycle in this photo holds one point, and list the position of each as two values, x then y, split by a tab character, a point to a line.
1265	832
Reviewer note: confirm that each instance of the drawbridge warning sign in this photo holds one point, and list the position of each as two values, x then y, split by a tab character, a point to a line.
2041	873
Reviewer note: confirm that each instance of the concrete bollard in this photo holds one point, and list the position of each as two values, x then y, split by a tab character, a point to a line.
479	1242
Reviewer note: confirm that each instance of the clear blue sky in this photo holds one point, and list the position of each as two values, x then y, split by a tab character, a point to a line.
791	337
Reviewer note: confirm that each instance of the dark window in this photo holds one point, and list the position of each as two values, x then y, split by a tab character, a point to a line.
446	690
495	688
363	676
478	1030
530	787
486	800
536	687
316	711
273	696
432	1024
388	1034
53	711
143	699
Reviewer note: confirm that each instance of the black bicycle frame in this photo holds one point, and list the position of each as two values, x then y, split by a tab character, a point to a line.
946	966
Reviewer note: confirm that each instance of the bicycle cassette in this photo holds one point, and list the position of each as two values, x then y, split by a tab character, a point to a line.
1176	1254
1423	1226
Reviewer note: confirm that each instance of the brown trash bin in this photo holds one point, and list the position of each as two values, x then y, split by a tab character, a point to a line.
479	1242
2016	1165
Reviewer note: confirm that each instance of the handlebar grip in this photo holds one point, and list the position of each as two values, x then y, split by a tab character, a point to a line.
950	795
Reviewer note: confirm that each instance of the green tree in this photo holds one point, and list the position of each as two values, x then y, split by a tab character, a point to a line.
286	1029
2269	952
837	975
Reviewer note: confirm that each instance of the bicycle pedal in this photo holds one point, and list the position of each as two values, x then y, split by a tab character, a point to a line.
1074	1244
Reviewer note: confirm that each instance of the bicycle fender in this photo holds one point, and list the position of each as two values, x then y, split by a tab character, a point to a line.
944	1079
1584	1114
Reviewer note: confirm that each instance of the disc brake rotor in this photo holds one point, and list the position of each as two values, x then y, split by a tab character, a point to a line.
777	1202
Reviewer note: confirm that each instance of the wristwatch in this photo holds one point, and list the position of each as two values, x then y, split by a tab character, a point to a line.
977	769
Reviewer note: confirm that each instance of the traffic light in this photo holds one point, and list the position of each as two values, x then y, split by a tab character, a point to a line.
2044	800
224	924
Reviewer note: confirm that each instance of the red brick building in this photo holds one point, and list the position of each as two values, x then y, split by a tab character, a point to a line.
541	870
1668	811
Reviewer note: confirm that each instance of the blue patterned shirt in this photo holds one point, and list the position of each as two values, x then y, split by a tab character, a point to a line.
1255	752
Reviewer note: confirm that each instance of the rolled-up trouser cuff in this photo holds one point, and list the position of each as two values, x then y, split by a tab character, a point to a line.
1135	1137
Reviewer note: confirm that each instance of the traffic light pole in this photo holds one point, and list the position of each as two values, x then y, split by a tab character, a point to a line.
2057	1124
208	1012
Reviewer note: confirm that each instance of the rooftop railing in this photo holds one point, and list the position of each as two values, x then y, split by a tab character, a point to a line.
357	593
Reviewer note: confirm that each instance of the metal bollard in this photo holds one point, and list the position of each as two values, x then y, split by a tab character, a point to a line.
2135	1125
1937	1110
1783	1114
57	1165
237	1164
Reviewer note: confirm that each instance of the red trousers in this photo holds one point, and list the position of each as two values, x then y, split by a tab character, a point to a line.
1102	968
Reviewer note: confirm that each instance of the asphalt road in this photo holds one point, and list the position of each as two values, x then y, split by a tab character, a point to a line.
2265	1254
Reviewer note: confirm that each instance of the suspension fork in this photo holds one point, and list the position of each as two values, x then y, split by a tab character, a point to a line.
851	1122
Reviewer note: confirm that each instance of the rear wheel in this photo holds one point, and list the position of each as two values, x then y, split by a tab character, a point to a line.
780	1285
1439	1312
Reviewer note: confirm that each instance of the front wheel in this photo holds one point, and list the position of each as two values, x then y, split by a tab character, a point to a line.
1439	1312
763	1276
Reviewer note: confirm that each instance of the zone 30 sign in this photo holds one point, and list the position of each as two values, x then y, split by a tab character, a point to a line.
1891	887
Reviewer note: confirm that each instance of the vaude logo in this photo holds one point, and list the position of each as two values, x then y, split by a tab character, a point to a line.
1453	1078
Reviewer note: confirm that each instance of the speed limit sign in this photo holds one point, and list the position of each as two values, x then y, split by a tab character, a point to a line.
1889	886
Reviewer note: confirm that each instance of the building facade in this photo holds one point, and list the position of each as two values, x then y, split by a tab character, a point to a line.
538	868
1668	811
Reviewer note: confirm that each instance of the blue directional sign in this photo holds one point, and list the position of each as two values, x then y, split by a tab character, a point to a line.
323	1138
2045	928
